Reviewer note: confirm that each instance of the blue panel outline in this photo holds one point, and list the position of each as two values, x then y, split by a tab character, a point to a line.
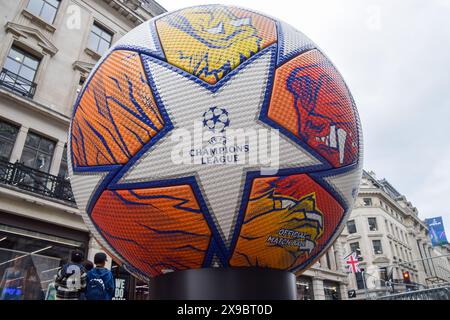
159	53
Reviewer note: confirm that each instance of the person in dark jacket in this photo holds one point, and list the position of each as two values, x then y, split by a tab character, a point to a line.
100	281
88	265
71	278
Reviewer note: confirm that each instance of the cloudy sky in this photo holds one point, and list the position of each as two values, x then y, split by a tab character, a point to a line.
395	57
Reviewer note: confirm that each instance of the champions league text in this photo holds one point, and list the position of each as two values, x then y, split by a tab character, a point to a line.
220	155
233	146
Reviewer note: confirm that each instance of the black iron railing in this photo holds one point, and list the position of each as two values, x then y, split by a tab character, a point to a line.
438	293
17	83
42	183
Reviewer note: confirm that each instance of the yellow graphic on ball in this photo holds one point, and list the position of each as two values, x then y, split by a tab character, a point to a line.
286	227
209	42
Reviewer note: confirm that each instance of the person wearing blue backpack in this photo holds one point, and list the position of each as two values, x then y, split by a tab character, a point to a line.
100	281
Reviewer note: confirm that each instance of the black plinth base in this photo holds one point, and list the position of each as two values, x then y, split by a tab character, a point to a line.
225	284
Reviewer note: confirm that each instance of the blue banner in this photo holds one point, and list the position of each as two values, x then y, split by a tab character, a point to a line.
437	232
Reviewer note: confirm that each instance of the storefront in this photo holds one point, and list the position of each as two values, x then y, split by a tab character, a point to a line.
31	253
304	288
331	290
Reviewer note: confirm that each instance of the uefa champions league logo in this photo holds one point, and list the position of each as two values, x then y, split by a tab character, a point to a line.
216	119
214	141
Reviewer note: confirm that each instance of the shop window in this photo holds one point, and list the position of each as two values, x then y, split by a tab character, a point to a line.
142	291
373	224
29	262
44	9
377	248
100	39
19	72
367	202
304	289
8	135
351	226
331	290
37	152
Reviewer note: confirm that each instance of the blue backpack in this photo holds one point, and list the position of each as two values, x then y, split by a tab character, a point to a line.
95	289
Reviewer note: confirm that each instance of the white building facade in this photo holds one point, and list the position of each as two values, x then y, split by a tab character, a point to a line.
393	243
327	278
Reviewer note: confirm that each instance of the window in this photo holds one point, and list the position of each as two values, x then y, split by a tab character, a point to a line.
8	135
373	224
351	226
99	39
19	72
359	280
377	249
330	289
327	255
33	273
304	288
44	9
37	152
63	166
80	84
354	247
383	274
367	202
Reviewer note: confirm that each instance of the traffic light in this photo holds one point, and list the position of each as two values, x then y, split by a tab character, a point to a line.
406	277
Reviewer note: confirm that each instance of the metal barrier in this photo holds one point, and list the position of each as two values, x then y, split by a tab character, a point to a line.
438	293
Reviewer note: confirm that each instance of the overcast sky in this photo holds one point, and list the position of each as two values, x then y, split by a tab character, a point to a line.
395	57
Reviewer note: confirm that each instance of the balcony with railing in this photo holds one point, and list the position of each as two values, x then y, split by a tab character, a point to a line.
20	176
17	83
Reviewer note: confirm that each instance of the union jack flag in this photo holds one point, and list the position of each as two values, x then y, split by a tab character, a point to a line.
352	263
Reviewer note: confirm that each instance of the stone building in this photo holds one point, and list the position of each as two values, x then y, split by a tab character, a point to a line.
384	228
48	48
327	278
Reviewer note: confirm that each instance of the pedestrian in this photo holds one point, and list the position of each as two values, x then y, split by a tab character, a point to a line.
88	265
100	281
70	280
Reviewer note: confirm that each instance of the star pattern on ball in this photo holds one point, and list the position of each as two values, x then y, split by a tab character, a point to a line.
221	185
